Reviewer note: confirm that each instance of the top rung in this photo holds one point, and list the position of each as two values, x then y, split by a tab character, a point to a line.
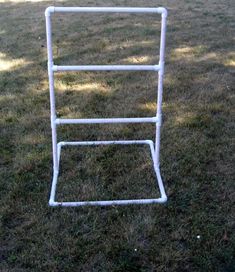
159	10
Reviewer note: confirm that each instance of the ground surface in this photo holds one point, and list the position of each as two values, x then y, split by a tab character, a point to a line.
196	150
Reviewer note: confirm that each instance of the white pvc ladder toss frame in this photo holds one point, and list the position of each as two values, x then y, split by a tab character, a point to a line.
56	147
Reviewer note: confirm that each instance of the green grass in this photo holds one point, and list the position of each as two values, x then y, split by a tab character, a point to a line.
197	148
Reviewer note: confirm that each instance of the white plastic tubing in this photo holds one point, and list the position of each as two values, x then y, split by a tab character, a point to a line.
57	121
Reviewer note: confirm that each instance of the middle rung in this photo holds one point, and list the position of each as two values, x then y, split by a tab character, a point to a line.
60	121
106	68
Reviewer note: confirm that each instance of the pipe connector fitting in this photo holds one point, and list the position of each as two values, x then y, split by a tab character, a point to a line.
52	203
159	118
163	12
49	10
162	67
163	199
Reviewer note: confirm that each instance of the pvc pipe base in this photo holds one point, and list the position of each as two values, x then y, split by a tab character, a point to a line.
161	200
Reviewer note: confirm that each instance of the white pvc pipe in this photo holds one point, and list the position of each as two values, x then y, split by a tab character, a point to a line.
157	171
52	93
119	142
53	187
160	87
157	119
108	202
60	121
106	68
159	10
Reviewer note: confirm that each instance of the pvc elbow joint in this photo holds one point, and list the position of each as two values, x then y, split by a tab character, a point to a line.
163	199
163	11
49	10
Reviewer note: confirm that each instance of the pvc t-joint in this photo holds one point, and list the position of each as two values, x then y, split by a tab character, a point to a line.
162	66
159	118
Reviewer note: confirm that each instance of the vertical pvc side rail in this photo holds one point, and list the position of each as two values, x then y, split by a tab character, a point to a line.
52	94
160	86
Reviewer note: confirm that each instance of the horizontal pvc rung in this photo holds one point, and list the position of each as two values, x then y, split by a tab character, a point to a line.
116	142
109	202
106	68
60	121
159	10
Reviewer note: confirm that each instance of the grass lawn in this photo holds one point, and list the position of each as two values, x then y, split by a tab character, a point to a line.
194	230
